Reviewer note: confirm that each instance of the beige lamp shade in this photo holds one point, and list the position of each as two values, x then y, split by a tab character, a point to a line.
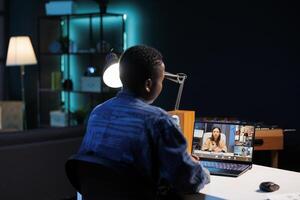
20	52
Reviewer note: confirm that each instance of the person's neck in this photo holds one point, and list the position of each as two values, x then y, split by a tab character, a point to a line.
134	94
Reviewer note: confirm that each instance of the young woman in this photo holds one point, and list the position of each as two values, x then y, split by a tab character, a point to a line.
214	143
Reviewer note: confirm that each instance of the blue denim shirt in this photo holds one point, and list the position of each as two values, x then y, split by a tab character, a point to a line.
128	130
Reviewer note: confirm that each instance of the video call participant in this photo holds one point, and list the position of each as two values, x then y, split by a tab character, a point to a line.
129	130
214	143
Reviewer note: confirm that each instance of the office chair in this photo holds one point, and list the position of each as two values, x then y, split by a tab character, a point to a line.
108	180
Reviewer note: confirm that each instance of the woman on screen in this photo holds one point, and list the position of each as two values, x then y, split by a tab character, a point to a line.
214	143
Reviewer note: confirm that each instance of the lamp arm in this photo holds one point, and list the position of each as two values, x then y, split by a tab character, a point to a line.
181	82
177	78
171	77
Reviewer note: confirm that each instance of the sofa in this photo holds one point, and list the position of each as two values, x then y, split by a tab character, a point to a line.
32	163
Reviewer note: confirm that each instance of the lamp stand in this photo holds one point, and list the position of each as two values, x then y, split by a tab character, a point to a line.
181	82
22	70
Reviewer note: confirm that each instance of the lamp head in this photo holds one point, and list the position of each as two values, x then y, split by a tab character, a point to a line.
111	74
20	52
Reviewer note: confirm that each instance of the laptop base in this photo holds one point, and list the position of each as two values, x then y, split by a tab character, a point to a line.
226	172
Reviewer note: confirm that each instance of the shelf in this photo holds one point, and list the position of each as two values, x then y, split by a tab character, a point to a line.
71	91
74	53
82	15
61	54
82	36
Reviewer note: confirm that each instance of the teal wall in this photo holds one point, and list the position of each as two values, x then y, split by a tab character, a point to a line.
134	28
79	32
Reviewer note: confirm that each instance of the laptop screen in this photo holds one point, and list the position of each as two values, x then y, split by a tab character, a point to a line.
223	141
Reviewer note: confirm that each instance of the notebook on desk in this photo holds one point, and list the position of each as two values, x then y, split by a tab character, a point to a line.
224	148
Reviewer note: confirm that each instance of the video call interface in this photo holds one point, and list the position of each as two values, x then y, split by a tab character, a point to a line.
223	141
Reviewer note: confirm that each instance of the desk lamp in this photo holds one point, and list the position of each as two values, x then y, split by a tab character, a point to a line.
111	76
20	52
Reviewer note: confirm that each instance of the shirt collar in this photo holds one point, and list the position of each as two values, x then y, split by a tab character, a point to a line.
128	94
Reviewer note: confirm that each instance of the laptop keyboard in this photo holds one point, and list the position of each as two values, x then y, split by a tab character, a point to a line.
226	166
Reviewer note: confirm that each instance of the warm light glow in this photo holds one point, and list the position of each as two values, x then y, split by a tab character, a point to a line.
111	76
20	52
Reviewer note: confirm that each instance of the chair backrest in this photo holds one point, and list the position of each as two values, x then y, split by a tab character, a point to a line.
12	115
208	135
109	180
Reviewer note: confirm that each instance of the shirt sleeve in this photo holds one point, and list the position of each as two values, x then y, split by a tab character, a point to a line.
175	164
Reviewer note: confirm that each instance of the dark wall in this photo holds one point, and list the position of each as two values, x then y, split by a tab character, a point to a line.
240	56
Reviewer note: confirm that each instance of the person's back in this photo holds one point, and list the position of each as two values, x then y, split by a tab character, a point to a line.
129	130
121	130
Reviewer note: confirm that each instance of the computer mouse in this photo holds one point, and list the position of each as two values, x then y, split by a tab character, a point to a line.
268	186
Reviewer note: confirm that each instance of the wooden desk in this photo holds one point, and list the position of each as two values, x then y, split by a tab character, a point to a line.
270	140
246	186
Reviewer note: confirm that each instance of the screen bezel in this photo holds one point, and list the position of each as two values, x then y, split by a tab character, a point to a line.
226	123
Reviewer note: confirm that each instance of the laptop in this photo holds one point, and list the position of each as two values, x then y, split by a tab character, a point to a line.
224	148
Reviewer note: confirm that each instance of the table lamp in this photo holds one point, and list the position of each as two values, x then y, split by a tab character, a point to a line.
20	52
111	76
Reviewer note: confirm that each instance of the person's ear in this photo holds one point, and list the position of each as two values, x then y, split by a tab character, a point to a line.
148	85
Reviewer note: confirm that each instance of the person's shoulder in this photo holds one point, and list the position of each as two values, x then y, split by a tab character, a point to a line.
155	111
161	117
102	106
